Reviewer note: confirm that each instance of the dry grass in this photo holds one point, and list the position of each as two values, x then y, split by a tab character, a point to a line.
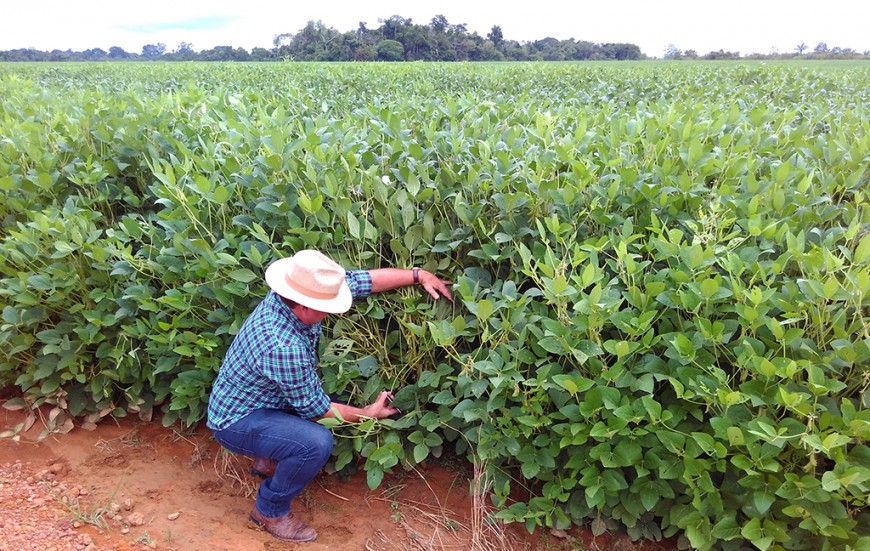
233	469
487	534
427	526
434	527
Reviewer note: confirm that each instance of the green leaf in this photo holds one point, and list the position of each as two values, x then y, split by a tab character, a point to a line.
588	277
735	436
14	404
353	226
343	459
726	529
374	476
752	529
202	183
709	287
421	452
530	469
183	350
566	382
684	346
705	442
243	275
649	496
862	251
329	422
552	345
226	259
484	309
221	194
366	366
40	282
762	500
10	315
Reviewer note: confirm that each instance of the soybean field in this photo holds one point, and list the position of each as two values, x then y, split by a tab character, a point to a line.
661	271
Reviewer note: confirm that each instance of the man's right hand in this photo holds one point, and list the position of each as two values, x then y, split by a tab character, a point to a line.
381	409
377	410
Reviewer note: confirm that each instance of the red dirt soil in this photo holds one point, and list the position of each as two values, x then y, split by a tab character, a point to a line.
159	488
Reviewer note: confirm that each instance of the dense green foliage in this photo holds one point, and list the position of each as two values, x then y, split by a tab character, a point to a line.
661	271
396	39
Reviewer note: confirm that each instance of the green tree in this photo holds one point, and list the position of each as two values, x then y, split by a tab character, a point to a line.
390	50
282	43
514	51
153	51
94	54
60	55
621	51
184	52
489	52
315	42
439	24
260	54
496	36
116	52
366	53
672	52
583	50
442	48
722	54
417	42
393	28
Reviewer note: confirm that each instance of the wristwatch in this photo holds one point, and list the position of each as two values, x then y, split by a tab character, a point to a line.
416	272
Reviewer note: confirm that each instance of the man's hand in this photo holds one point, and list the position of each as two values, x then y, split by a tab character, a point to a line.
380	408
434	286
351	414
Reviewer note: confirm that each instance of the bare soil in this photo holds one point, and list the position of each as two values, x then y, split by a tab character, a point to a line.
131	486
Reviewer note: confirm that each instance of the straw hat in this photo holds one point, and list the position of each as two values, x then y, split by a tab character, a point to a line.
312	279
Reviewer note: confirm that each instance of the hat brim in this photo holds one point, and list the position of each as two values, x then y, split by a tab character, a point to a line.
276	281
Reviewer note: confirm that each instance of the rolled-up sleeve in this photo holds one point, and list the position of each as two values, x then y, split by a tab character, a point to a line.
360	283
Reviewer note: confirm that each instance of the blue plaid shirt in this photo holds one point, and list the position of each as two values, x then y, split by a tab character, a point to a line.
272	363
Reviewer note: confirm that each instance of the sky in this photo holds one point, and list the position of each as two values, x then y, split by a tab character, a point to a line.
746	26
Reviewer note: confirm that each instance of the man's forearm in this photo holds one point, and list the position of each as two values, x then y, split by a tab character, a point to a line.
376	410
387	279
347	413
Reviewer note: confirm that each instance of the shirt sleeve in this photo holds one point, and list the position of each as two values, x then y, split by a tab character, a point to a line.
360	283
293	369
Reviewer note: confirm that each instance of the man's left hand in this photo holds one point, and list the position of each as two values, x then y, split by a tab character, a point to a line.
434	286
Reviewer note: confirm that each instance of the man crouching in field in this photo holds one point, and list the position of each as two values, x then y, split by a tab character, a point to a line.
268	395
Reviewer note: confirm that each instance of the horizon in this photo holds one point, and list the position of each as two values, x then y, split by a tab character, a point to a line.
773	27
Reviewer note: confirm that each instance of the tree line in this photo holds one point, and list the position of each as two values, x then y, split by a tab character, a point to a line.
400	39
801	51
396	39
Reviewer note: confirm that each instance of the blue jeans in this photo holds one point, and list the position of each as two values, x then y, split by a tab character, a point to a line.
300	447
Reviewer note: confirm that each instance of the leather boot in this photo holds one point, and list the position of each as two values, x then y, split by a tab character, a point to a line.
264	468
287	528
